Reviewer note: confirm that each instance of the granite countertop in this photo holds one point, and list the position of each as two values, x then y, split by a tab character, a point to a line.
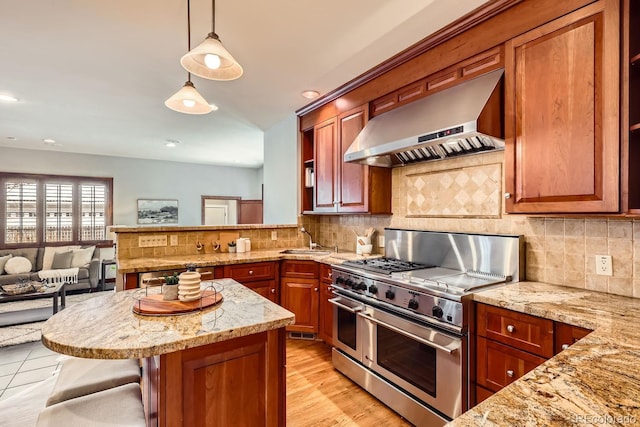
595	381
105	327
141	265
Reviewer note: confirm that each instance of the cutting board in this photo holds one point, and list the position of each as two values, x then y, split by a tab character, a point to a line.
226	237
154	305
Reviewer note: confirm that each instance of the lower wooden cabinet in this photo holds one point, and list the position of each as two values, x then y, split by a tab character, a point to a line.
300	296
325	332
510	344
261	277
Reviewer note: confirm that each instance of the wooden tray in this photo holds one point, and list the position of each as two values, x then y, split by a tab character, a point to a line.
154	305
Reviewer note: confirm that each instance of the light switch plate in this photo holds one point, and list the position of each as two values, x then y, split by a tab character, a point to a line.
604	265
174	240
274	235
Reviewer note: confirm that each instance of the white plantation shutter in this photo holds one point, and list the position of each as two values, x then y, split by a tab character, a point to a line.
21	212
58	213
38	209
93	211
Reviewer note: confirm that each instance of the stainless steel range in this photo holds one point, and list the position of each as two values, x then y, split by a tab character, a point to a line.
401	321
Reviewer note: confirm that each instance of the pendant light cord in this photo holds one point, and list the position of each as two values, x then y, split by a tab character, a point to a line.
189	33
213	16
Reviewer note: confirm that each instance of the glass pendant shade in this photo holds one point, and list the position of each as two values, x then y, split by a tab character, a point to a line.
195	61
188	100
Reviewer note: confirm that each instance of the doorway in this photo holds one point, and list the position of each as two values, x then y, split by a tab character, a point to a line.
219	210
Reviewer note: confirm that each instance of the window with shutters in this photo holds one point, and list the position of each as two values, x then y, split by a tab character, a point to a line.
46	209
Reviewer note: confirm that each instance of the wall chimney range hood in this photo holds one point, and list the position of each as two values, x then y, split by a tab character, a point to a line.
464	119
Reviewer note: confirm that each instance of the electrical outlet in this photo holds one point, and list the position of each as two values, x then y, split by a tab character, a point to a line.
274	235
381	241
604	265
174	240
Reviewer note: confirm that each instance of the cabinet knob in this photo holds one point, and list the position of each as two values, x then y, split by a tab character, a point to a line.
565	346
330	275
511	328
273	291
507	195
510	373
251	272
315	289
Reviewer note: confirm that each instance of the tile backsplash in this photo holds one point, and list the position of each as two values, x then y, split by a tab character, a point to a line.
559	250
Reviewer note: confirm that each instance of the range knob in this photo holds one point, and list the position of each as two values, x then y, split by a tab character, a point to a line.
373	289
361	286
413	304
437	312
389	294
339	279
348	283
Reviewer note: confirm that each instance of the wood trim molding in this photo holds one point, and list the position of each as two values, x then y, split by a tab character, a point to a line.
457	27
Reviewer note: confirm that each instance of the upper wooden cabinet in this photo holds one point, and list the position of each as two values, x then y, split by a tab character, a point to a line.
562	114
340	187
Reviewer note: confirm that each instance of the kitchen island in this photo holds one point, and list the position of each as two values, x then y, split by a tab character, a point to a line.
593	382
224	363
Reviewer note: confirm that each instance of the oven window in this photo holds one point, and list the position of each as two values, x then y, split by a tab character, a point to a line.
347	328
411	360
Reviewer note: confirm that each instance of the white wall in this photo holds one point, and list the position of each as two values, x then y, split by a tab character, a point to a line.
281	172
142	179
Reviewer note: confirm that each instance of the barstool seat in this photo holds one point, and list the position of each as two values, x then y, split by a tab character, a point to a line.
80	377
120	406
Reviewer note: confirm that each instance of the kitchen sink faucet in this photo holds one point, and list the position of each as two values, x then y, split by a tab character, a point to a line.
311	244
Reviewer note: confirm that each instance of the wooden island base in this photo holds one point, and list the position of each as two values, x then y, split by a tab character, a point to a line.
240	381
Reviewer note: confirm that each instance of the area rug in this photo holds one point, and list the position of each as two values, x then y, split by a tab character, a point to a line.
19	334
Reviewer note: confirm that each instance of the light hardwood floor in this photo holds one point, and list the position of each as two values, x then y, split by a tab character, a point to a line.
319	396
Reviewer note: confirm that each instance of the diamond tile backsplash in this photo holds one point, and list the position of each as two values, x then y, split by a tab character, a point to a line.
438	196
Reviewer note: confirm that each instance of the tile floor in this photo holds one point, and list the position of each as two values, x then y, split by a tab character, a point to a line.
24	364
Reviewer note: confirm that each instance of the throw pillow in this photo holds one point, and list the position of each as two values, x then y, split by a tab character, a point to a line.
47	258
3	261
17	265
82	257
61	260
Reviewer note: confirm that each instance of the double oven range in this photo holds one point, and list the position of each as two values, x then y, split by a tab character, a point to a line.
401	322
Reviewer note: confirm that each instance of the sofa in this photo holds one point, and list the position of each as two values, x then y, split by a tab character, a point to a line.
88	274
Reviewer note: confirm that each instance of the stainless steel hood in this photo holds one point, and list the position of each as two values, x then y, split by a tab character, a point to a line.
462	120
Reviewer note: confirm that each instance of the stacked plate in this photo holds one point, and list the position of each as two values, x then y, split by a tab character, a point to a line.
189	286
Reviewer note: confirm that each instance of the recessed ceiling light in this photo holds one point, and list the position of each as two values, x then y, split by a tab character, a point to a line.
8	98
49	141
214	107
171	143
310	94
11	138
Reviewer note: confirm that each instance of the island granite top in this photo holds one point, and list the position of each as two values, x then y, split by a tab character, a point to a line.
105	327
596	381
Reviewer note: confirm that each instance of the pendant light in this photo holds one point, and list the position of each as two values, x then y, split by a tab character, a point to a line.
210	59
188	100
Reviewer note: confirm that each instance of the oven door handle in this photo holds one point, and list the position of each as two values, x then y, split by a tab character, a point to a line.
410	335
335	302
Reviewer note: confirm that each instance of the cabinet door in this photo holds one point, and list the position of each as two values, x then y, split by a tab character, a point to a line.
325	137
326	308
300	296
352	179
562	109
565	335
266	288
499	365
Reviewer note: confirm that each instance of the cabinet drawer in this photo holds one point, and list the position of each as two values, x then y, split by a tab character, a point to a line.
500	365
300	269
522	331
325	273
565	335
250	272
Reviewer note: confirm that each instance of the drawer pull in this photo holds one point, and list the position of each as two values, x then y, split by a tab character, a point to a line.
251	272
565	346
315	289
273	291
511	328
510	373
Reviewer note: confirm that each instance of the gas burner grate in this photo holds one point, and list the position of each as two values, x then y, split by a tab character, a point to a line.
385	265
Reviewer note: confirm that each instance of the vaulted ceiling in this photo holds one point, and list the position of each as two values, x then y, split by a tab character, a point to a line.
94	75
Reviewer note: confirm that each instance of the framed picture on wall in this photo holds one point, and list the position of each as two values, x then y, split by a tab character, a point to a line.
156	211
